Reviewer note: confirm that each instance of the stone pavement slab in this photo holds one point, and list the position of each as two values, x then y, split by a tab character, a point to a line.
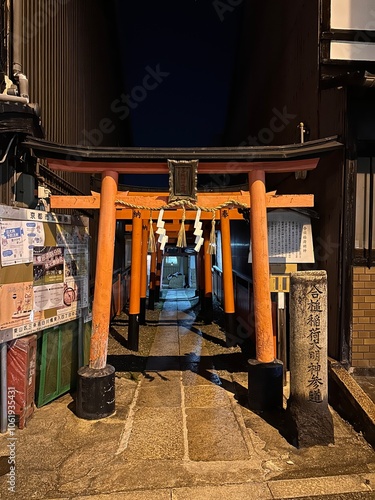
181	431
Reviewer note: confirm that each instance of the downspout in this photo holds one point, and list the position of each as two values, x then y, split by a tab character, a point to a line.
22	95
17	8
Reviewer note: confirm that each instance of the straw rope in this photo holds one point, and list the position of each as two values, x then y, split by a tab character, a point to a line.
181	240
184	204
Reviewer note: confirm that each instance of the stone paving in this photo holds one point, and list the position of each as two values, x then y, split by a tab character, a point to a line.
181	431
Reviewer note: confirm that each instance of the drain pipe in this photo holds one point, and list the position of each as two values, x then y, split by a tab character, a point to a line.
17	22
18	76
4	388
13	98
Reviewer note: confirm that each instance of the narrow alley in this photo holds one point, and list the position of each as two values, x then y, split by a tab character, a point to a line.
181	430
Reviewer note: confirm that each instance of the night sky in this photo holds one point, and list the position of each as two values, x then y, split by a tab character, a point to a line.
195	43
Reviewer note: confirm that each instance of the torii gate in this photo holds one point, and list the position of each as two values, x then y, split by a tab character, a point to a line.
265	369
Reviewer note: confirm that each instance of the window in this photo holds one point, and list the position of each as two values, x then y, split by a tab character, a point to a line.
364	217
171	261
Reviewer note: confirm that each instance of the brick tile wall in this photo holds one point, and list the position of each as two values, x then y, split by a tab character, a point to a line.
363	347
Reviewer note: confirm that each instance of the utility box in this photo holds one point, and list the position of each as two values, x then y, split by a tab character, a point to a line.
21	371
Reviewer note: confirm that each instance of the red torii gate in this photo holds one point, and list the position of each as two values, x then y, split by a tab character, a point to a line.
265	370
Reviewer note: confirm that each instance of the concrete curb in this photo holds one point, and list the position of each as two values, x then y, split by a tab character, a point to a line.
352	486
350	401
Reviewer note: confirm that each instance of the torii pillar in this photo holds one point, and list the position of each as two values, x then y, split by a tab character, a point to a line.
265	387
207	270
229	305
142	311
96	382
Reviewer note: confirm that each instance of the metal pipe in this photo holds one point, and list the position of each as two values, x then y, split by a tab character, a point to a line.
7	149
371	215
13	98
80	339
4	388
17	22
23	83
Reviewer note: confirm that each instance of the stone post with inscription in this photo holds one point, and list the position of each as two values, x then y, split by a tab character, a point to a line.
308	402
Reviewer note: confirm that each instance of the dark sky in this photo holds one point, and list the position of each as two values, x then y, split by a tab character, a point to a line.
196	45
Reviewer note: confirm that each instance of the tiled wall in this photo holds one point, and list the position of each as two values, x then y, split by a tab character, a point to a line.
363	348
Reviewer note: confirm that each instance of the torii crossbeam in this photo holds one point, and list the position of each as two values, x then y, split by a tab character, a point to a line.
133	160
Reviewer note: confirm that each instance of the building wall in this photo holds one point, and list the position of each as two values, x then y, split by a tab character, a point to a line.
363	344
277	73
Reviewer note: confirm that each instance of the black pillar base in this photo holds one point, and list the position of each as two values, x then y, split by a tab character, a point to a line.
133	332
142	311
208	311
157	294
151	300
230	323
201	298
95	393
265	385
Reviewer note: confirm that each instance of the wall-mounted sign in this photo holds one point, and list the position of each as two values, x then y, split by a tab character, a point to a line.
289	238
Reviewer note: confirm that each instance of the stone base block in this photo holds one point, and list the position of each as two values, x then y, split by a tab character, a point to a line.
207	310
95	393
313	424
231	337
133	332
151	300
142	311
265	388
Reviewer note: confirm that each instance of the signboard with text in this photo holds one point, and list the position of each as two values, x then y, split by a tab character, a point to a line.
44	270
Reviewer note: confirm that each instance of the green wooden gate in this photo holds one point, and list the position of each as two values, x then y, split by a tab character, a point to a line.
58	360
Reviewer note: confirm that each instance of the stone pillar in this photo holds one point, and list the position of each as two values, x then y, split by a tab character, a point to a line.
308	402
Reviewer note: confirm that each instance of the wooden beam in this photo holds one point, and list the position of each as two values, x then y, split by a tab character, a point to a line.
176	215
223	167
204	200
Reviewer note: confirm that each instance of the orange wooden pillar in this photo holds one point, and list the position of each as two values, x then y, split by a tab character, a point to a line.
135	282
104	269
159	257
151	294
207	268
229	306
142	312
200	277
96	382
265	372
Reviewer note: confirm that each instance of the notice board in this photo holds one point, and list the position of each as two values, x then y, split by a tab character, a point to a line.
44	267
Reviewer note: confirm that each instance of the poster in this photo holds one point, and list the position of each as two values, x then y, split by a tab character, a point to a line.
76	263
17	304
35	233
72	236
48	296
15	248
48	265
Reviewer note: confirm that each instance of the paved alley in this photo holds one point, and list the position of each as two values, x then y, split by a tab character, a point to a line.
181	431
